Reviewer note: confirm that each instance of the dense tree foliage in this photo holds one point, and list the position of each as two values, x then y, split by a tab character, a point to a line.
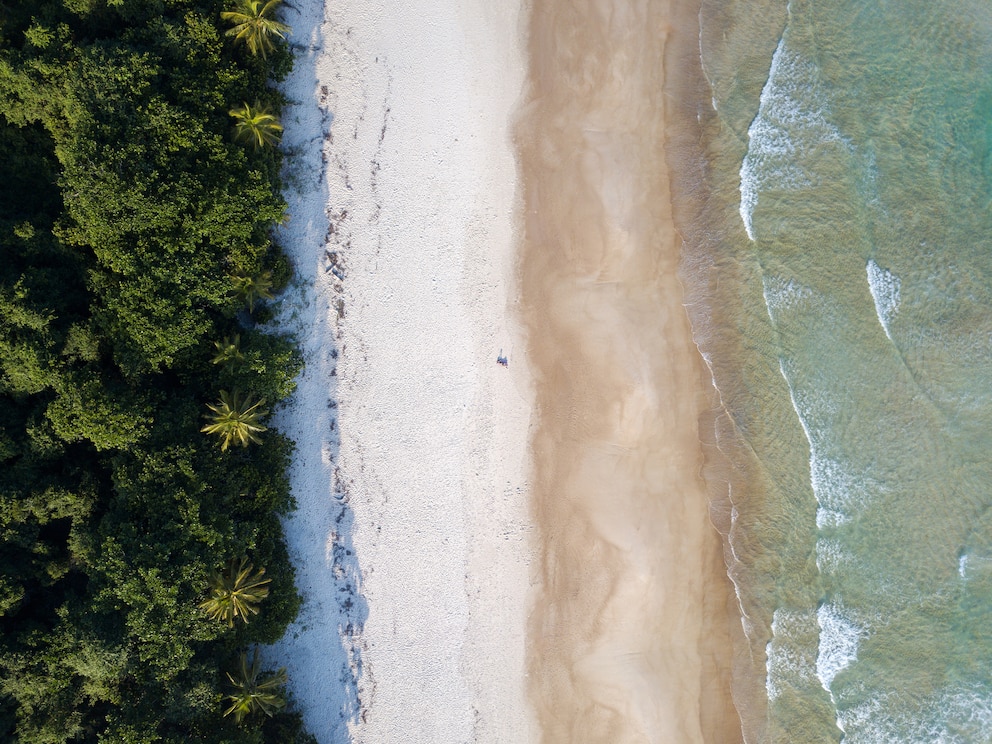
130	220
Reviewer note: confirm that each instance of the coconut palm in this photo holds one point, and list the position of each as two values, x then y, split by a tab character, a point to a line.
235	421
255	26
228	351
252	695
235	592
256	125
251	289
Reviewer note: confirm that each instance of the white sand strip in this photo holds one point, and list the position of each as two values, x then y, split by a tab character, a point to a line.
412	456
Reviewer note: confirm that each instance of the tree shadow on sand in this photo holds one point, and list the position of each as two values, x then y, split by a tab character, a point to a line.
320	649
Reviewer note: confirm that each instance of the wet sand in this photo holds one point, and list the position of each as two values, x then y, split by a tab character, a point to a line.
633	621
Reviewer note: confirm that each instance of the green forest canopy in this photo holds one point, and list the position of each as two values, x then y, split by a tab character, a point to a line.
130	216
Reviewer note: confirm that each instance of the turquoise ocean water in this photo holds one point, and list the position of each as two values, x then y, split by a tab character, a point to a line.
839	273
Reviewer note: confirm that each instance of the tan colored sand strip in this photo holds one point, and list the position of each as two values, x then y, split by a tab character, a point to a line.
630	633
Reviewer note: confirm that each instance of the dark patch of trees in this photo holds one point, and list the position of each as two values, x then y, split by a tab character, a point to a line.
135	262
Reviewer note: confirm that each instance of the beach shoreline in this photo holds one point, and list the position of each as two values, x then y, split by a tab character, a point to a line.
463	577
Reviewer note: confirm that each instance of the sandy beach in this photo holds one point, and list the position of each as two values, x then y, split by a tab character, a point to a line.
493	553
412	537
632	627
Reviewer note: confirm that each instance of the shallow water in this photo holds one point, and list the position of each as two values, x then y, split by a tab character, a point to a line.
840	280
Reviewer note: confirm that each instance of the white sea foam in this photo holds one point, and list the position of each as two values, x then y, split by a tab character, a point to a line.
841	491
974	564
830	518
807	408
840	636
969	712
783	294
786	662
807	413
961	714
784	130
831	556
884	286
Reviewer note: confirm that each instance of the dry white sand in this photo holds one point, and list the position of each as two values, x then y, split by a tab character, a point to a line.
411	539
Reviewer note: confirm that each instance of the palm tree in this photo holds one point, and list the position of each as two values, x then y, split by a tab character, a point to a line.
252	695
234	593
234	420
228	351
254	25
251	289
255	125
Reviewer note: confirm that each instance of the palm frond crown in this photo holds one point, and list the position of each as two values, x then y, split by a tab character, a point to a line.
255	26
234	420
236	592
251	289
228	351
255	125
251	694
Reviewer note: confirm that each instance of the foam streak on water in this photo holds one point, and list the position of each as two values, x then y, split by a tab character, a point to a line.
839	638
787	666
884	287
786	126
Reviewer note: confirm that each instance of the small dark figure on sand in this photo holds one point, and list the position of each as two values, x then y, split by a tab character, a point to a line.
502	360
